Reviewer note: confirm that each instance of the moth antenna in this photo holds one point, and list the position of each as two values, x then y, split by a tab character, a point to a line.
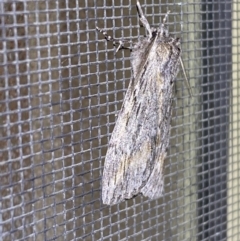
186	78
110	38
143	19
163	30
165	18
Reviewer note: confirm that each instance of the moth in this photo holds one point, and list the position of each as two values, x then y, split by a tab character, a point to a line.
134	162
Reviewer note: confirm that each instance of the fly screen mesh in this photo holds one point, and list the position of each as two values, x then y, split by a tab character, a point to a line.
61	88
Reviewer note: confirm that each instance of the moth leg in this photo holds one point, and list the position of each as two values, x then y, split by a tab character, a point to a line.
110	38
143	19
186	78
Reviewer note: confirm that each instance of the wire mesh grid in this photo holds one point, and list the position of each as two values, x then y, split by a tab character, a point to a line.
62	86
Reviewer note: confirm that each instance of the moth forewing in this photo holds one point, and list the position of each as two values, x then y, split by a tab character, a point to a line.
134	160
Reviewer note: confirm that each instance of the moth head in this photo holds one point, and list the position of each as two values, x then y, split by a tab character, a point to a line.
163	32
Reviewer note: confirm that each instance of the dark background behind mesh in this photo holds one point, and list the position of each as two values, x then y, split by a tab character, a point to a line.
61	88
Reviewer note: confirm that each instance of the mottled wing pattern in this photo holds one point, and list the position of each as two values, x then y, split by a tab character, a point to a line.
138	146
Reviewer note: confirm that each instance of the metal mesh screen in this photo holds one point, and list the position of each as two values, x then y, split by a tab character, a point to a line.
61	87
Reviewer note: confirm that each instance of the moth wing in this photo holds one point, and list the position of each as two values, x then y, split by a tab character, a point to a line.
137	149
